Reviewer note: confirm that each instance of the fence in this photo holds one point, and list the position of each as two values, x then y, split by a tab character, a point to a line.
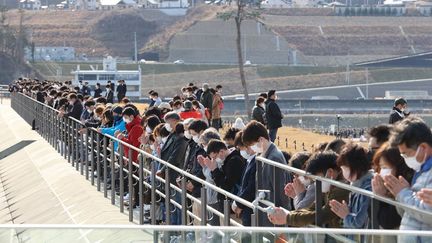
93	155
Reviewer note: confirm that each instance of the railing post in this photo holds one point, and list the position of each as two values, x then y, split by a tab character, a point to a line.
86	153
203	206
227	212
105	165
140	188
92	156
153	193
121	179
78	156
167	197
98	162
112	172
184	201
131	191
318	203
83	153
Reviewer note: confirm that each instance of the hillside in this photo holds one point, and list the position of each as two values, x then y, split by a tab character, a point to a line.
10	70
94	33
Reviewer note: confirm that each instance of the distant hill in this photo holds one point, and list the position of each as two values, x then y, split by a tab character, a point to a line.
95	33
10	69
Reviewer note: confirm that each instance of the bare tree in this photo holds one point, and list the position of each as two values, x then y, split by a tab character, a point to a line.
240	14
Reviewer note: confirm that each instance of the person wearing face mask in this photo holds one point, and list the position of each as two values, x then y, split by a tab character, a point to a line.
227	166
413	138
173	152
399	111
388	161
89	107
255	135
118	126
109	94
324	165
355	168
75	107
258	111
247	188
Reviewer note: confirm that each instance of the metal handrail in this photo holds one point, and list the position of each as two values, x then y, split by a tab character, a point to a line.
165	228
226	194
344	186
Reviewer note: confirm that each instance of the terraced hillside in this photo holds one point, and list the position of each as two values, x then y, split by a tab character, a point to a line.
94	33
331	36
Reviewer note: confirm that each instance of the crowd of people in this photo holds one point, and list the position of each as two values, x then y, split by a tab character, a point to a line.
187	133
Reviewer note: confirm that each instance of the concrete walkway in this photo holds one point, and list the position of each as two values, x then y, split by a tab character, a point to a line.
38	186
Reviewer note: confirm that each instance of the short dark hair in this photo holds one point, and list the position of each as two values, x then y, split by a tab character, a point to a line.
129	111
336	146
215	146
238	141
411	131
153	111
133	107
400	101
253	131
102	100
298	160
72	96
264	95
152	121
172	116
381	133
89	103
354	157
198	126
321	162
230	134
218	86
259	100
155	94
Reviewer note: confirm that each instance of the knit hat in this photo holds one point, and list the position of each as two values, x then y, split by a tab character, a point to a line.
165	105
187	105
239	124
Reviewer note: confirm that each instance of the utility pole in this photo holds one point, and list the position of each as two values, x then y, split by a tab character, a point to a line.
136	51
367	84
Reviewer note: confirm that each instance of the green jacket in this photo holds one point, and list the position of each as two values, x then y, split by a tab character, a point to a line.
304	217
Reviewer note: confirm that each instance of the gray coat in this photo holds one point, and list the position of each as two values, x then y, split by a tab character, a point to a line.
273	182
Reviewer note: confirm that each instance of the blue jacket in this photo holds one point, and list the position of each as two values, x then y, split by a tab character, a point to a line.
119	125
413	220
358	205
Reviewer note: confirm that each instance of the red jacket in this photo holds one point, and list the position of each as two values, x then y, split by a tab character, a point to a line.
134	132
190	114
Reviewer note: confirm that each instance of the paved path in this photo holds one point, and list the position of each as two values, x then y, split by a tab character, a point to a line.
38	186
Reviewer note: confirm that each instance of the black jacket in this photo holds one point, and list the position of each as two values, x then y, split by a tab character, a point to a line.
396	115
109	96
247	188
229	176
192	166
75	110
207	99
173	152
97	93
85	90
121	89
273	114
388	217
258	114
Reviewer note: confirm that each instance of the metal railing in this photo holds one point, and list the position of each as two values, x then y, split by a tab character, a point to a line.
104	163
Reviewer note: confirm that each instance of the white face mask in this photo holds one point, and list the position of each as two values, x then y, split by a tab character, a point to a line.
325	187
89	111
168	127
256	148
187	135
346	173
164	140
245	155
71	102
152	147
305	181
159	139
412	161
205	148
196	138
148	130
385	171
126	119
219	162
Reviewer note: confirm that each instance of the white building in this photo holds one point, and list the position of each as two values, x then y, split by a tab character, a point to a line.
276	4
164	3
51	53
116	4
132	77
87	5
30	4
